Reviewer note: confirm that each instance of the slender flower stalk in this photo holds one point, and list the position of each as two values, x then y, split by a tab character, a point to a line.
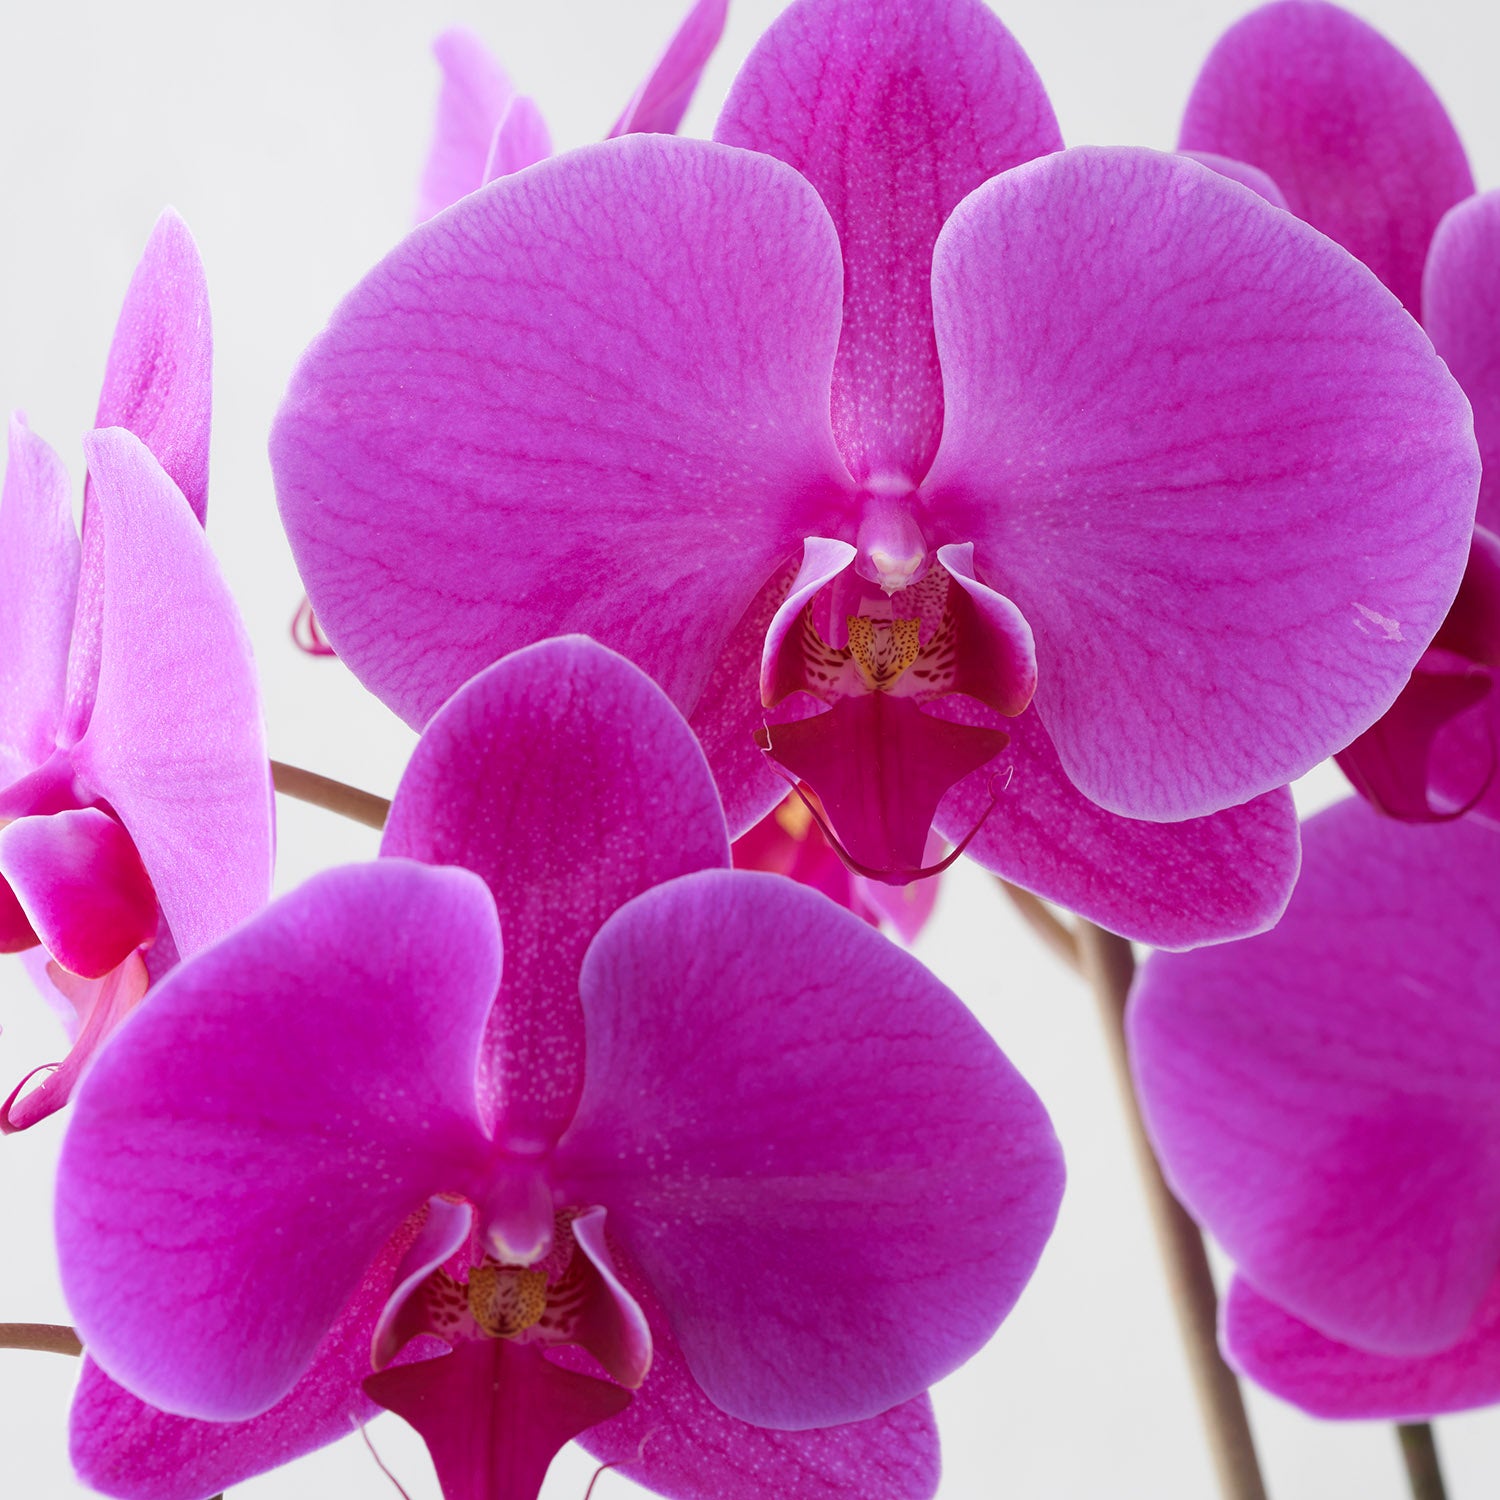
1419	1453
335	796
45	1338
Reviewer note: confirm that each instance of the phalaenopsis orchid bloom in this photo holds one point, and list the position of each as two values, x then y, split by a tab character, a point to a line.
1323	1100
674	1170
1019	492
135	815
1362	149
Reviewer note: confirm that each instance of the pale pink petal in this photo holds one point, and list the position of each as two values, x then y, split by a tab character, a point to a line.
521	140
1349	130
474	97
566	780
1241	172
593	397
1461	312
793	1125
1322	1096
1336	1381
1216	467
894	113
309	1134
39	583
662	100
175	743
82	886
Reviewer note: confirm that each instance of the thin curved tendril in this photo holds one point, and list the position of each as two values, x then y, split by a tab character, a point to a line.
619	1463
379	1462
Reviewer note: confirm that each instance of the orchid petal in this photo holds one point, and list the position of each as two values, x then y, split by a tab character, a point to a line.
109	1001
996	657
445	1229
304	1159
494	1413
1241	172
611	1326
529	366
521	140
880	766
1321	1096
121	1446
82	886
781	673
475	95
1336	1381
1461	312
1212	878
1191	495
894	113
673	1440
566	780
158	382
175	743
1349	130
39	583
662	100
16	933
794	1125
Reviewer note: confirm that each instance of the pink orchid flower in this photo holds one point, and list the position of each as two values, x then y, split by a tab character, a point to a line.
1322	1099
135	802
1069	502
789	841
1363	150
674	1170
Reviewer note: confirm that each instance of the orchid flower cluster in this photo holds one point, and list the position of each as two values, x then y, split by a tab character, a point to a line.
751	527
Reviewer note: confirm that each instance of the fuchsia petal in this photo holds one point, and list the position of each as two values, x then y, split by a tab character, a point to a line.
1461	312
660	103
494	1413
39	583
474	97
109	1001
158	382
996	655
304	1158
1174	885
16	933
83	887
1352	134
1241	172
445	1229
612	1326
521	140
566	780
673	1440
793	1126
1217	468
781	673
880	766
1333	1380
121	1446
894	113
175	743
1322	1096
520	424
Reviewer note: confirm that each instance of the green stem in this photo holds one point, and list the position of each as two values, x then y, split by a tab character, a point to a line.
324	791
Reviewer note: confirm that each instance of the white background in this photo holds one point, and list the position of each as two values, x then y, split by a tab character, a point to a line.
290	136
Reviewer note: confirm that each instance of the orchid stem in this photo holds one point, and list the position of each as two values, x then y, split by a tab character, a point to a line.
1423	1471
1047	925
324	791
47	1338
1109	964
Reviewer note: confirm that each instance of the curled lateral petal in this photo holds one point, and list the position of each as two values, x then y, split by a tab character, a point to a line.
894	113
1320	1095
794	1125
82	886
662	100
1349	130
565	779
175	743
528	365
521	140
1233	518
472	102
1173	885
1241	172
308	1141
39	583
1339	1382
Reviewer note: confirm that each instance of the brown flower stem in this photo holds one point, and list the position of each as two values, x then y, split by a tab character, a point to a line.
1419	1451
47	1338
324	791
1047	925
1109	964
